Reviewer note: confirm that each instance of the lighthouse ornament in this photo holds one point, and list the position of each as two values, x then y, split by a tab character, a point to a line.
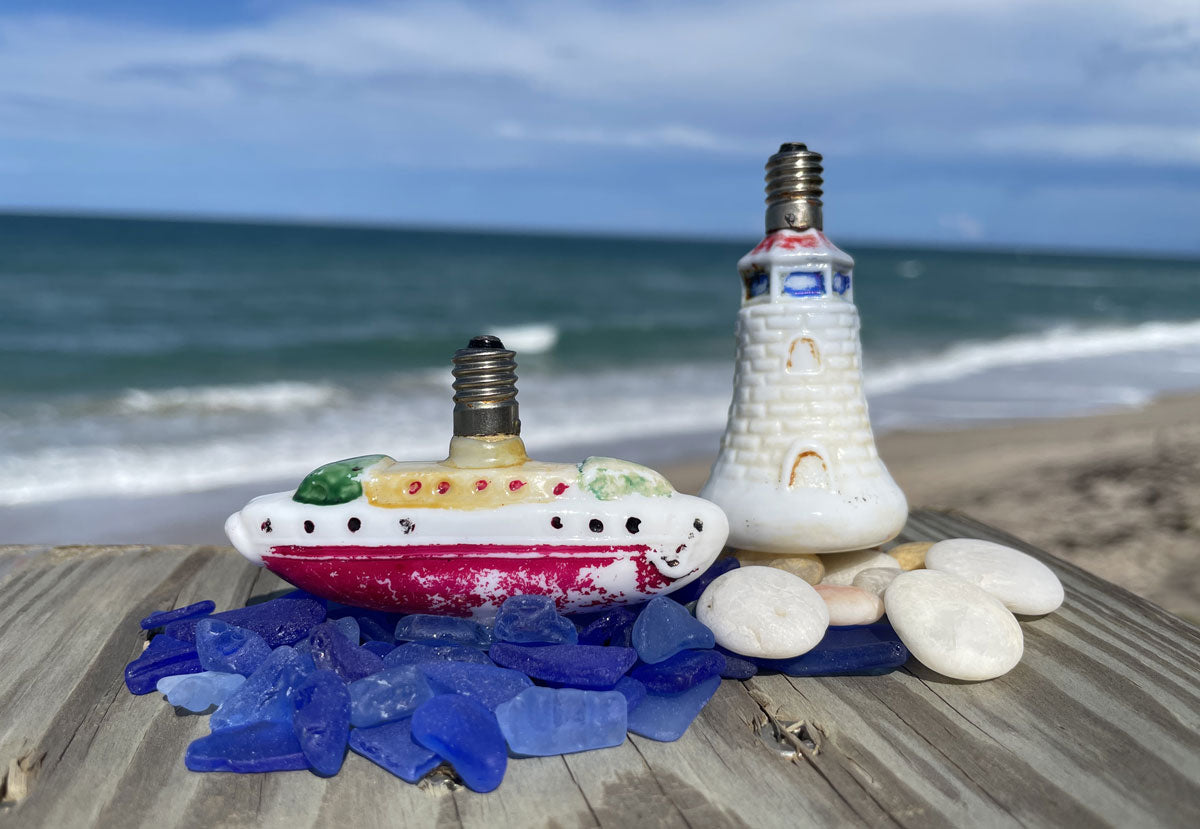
798	471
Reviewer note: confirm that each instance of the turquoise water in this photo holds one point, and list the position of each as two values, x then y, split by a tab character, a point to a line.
177	354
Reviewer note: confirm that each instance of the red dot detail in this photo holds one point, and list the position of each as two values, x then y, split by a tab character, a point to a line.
414	487
515	485
443	487
560	488
481	484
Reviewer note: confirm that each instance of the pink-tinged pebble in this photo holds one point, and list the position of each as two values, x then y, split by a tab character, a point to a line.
850	605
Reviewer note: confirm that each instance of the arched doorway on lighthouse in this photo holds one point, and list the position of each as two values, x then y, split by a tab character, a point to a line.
804	467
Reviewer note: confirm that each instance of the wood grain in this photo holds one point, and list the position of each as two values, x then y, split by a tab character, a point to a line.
1098	725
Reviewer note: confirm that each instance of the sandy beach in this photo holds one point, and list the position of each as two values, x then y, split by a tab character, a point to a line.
1118	494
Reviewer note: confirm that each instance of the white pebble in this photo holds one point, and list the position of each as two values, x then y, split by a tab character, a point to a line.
764	612
841	568
1020	581
876	579
850	605
953	627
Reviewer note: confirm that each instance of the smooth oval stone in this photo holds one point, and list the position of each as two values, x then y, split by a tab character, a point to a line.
1020	581
953	627
910	556
257	747
414	653
392	747
486	683
332	651
841	568
282	621
613	627
164	656
321	721
666	717
764	612
165	617
532	620
805	565
850	605
541	722
691	591
861	651
425	627
265	696
228	648
876	579
199	692
466	735
679	672
584	666
389	695
664	628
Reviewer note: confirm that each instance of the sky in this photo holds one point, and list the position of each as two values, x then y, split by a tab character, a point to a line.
1042	124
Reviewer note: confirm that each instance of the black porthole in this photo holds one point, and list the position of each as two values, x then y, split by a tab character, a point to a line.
596	525
309	526
633	525
699	525
353	525
556	523
407	525
265	526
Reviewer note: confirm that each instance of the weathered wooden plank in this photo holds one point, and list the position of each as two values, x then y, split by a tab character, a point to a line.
1098	724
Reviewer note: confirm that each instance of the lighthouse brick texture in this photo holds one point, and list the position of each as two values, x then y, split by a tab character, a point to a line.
798	471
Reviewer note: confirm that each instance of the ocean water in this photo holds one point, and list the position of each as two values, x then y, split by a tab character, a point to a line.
143	357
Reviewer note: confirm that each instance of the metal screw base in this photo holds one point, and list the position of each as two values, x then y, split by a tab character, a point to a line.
794	189
485	389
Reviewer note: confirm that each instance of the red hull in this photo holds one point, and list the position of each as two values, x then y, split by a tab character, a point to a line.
459	578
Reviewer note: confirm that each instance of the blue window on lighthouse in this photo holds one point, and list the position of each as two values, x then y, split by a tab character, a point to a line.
841	283
804	283
757	283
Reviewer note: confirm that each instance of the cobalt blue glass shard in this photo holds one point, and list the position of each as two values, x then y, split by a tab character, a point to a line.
321	721
348	625
414	653
486	683
613	627
199	692
679	672
165	617
859	649
380	649
532	620
736	666
164	656
371	630
466	735
262	746
392	747
545	721
228	648
388	695
282	621
633	691
582	666
332	651
665	627
423	627
667	717
265	696
691	592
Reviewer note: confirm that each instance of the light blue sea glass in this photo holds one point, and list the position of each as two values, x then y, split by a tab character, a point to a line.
664	628
199	692
546	721
667	717
388	695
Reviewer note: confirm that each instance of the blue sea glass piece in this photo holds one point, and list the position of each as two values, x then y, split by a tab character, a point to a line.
486	683
582	666
199	692
414	653
613	627
852	650
736	666
228	648
679	672
691	592
532	620
423	627
265	696
261	746
466	735
392	747
332	651
667	717
633	691
282	621
664	628
388	695
379	648
164	656
348	625
371	630
545	721
165	617
321	720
